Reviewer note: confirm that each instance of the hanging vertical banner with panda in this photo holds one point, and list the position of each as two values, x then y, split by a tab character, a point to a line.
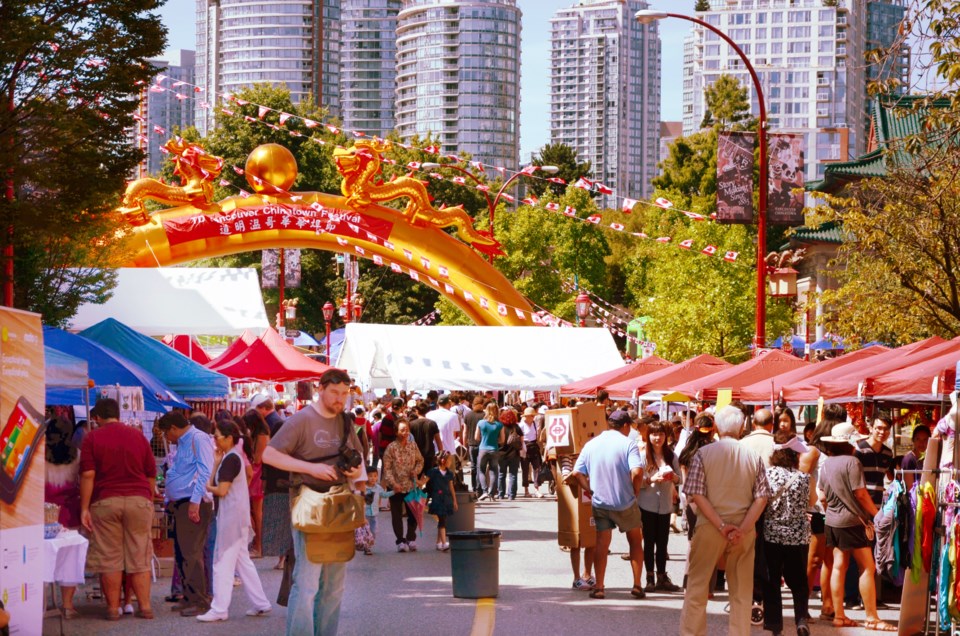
735	177
785	180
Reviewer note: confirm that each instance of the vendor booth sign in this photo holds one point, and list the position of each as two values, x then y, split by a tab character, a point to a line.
21	469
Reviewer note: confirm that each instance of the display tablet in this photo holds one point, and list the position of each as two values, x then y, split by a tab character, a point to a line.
18	440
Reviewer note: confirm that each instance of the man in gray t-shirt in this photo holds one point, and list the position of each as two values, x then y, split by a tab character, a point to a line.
307	436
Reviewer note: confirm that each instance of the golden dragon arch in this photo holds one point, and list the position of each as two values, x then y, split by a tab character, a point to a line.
412	240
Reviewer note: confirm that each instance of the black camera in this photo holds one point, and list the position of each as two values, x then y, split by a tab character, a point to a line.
348	460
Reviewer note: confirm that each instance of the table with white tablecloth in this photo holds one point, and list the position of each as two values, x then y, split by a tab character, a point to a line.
64	558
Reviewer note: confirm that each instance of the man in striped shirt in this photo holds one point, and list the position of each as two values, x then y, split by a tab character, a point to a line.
876	457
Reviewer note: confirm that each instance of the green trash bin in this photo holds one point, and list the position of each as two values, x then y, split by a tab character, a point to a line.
475	560
465	517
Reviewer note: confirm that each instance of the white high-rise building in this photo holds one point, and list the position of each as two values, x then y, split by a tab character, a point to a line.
458	76
810	60
295	43
368	60
605	92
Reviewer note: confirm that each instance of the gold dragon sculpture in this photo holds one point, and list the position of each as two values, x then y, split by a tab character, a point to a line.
359	166
197	171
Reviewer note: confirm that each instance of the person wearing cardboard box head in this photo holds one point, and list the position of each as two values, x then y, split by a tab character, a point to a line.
610	470
309	445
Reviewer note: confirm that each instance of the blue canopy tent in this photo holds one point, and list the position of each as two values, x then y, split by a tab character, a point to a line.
107	368
797	343
62	372
336	344
171	367
828	343
305	340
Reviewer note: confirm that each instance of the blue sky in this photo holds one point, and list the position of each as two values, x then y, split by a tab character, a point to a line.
179	17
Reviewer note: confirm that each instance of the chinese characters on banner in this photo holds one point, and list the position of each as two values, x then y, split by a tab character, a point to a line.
270	268
785	189
277	217
735	177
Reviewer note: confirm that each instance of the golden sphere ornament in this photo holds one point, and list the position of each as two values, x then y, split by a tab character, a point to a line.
273	165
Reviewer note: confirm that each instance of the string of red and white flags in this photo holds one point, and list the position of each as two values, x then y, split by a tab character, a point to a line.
185	90
607	314
429	319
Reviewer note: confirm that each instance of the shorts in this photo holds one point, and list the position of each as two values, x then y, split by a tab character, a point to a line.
851	538
121	535
626	520
818	522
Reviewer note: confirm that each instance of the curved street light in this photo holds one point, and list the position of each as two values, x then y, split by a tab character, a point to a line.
760	336
491	202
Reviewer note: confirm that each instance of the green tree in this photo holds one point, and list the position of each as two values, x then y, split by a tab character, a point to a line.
727	105
71	72
563	157
701	5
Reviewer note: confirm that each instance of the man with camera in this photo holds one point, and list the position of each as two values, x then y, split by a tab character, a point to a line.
309	446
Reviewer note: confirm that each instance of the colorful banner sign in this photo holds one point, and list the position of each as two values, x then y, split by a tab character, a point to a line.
785	180
735	177
276	217
270	268
22	476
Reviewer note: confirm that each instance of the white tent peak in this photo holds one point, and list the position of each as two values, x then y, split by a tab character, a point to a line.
468	358
183	300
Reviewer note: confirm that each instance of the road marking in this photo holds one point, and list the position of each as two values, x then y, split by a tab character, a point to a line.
485	617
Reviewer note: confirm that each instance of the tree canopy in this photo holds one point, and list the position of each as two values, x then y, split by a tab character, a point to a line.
72	72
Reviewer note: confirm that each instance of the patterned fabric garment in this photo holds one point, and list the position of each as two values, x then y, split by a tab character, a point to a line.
401	464
785	519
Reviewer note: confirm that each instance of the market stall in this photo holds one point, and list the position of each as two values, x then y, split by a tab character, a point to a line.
767	365
269	358
188	346
661	380
588	387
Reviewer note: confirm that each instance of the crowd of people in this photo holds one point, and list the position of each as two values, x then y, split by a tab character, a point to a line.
760	501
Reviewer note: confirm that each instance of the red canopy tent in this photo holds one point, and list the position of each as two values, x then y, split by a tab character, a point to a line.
188	346
236	347
929	381
760	392
588	387
808	391
766	365
851	387
271	359
662	379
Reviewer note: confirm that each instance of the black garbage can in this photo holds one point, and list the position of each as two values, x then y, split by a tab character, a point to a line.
475	561
465	517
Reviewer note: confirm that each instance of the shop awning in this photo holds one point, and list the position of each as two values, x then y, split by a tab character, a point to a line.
662	379
767	365
588	387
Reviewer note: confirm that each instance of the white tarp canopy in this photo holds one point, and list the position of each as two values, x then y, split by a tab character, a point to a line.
182	300
474	358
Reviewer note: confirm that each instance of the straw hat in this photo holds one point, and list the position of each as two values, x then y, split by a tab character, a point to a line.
844	433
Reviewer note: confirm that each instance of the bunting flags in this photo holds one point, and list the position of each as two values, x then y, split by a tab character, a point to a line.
628	205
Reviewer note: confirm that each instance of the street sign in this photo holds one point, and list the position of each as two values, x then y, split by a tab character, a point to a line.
293	333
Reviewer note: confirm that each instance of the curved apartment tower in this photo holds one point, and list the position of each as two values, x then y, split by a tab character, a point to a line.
368	64
295	43
458	76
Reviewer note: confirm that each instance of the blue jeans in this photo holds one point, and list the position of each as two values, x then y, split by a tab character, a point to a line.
509	466
487	460
315	595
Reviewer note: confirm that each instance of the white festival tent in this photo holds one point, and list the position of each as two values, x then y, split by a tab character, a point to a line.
182	300
474	358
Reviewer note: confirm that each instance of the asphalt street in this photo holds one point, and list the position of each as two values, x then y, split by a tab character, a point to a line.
391	593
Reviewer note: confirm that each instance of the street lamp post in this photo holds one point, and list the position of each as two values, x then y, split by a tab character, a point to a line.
760	336
491	203
327	317
583	307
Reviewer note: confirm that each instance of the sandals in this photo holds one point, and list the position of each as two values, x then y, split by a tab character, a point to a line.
637	592
597	593
879	626
843	621
145	613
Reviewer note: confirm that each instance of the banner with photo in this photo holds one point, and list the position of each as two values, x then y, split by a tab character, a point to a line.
785	180
270	268
735	177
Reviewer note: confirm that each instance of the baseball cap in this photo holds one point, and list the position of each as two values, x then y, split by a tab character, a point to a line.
543	409
619	418
411	404
258	399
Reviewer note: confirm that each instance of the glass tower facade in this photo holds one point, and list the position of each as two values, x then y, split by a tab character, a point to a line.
605	92
368	65
458	76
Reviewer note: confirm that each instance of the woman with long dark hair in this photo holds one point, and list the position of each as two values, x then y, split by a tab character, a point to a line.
786	532
229	485
661	475
258	434
62	487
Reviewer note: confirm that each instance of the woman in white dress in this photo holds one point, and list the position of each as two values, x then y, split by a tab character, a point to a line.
229	485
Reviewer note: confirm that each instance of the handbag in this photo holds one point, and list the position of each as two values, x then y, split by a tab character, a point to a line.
337	510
